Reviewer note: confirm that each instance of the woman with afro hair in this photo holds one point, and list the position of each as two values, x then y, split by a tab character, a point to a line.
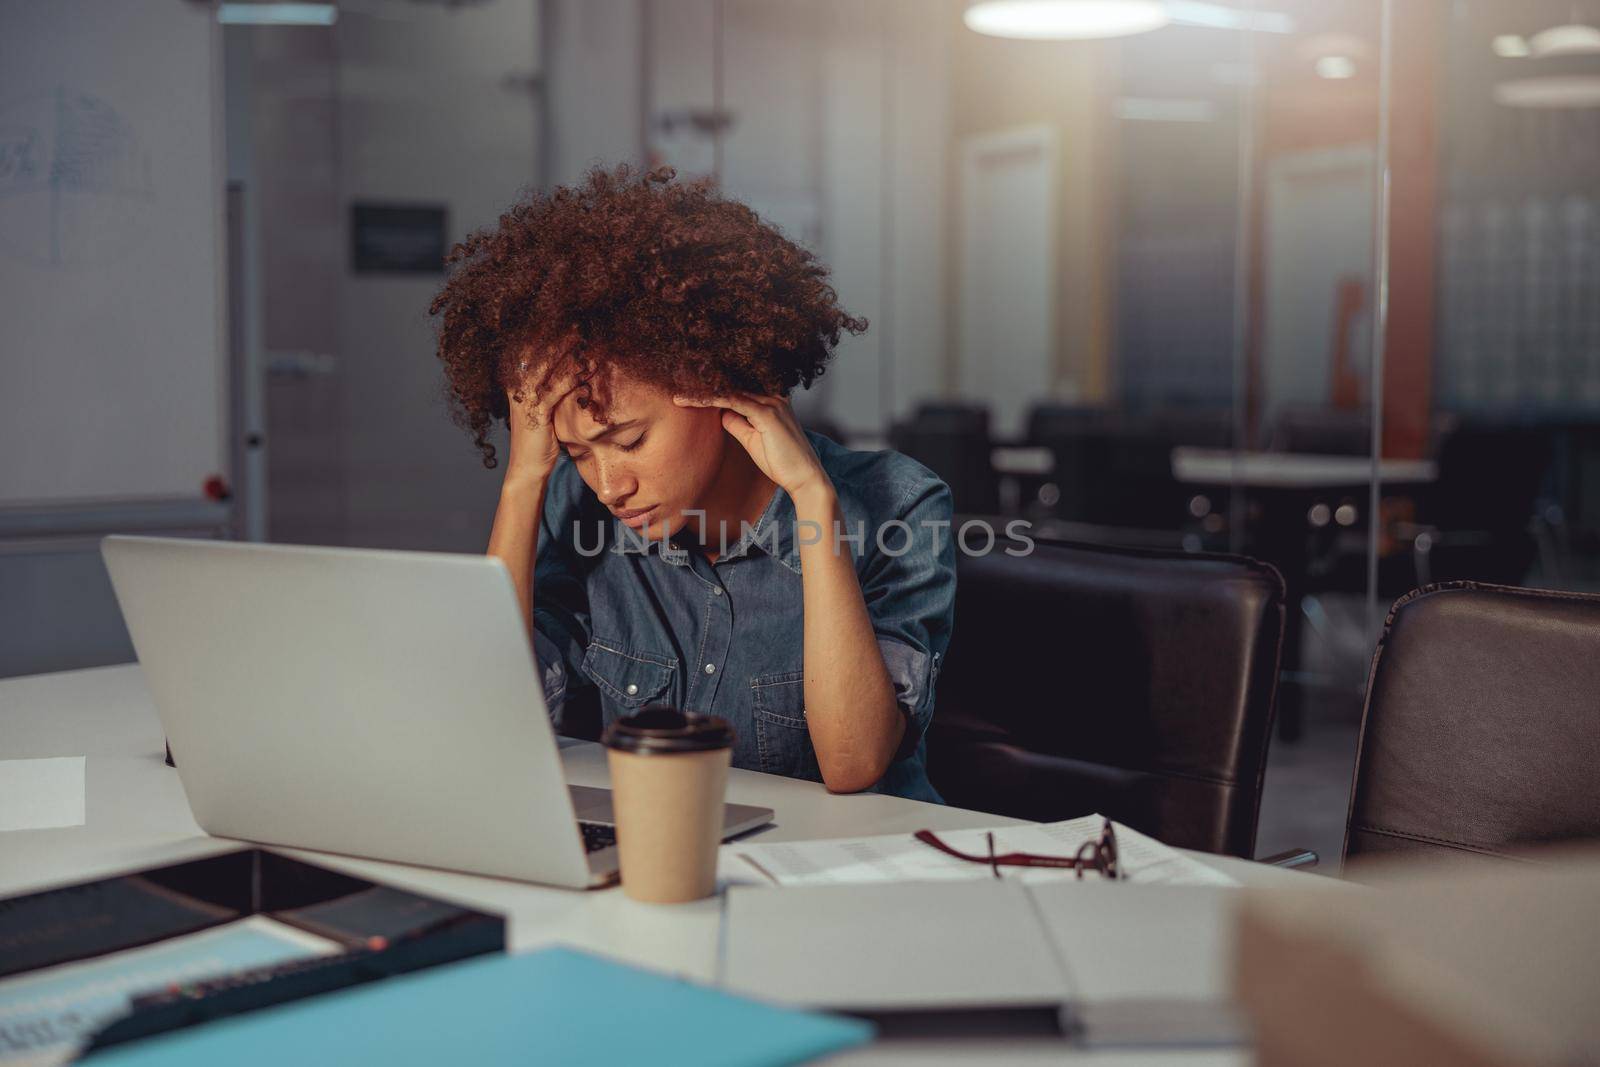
673	534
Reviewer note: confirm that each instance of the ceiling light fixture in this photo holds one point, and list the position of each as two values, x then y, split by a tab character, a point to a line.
1046	20
1573	39
1222	17
240	14
1510	46
1336	67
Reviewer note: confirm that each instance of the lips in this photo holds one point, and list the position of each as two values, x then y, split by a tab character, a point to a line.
634	518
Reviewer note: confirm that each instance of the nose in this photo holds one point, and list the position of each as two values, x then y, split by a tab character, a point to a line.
613	482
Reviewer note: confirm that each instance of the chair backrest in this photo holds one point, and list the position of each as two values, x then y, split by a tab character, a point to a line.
1322	430
1482	726
1115	469
1135	683
953	441
1490	475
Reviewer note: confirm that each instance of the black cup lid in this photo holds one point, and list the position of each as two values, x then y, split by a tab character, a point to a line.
660	728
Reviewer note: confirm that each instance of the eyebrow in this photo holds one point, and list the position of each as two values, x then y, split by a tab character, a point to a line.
614	428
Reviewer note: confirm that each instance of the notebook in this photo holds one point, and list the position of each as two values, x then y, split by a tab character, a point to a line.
554	1006
890	946
1115	964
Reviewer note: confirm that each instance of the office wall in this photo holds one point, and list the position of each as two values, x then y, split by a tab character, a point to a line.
838	133
430	105
594	83
885	142
435	108
999	84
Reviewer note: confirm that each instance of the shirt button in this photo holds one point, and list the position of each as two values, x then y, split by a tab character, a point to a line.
633	690
716	590
711	668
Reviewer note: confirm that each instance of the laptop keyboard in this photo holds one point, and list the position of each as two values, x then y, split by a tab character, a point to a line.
597	835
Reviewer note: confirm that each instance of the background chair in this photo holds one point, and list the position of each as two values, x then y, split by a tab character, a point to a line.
1112	481
1477	520
1322	431
1135	683
953	441
1482	726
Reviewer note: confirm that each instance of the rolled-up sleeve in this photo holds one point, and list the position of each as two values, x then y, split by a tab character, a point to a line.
560	596
910	598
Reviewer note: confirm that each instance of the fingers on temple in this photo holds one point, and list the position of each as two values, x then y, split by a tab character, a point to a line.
738	425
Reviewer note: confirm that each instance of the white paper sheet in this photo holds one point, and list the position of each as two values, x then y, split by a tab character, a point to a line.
902	858
38	794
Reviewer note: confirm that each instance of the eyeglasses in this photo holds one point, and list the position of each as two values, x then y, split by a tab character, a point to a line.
1099	855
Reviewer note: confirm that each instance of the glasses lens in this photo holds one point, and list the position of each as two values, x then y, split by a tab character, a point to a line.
1108	852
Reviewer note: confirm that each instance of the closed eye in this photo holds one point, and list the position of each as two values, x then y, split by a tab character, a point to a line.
576	455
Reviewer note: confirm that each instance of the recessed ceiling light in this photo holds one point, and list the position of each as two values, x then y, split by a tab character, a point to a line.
1065	19
1573	90
1222	17
277	14
1336	67
1570	40
1510	46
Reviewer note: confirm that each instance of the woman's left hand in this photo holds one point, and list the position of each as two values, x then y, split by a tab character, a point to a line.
768	430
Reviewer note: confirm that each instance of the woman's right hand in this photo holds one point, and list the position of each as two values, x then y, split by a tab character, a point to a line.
534	448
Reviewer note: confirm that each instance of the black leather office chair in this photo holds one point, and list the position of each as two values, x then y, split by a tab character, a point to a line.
1477	518
1322	431
953	441
1482	726
1138	684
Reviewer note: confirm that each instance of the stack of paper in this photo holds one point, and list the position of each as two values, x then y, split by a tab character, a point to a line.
902	858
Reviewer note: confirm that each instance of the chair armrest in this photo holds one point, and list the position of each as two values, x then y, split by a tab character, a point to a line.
1294	857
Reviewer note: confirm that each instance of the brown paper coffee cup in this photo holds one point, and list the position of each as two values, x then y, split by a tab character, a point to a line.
669	771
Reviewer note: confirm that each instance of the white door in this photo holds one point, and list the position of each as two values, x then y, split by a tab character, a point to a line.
1318	237
1008	230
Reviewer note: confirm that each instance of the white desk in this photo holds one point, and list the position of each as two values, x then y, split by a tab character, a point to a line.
1292	470
137	817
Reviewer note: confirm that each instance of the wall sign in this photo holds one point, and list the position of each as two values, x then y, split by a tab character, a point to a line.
398	238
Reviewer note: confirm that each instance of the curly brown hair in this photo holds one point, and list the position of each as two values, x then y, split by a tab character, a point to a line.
665	281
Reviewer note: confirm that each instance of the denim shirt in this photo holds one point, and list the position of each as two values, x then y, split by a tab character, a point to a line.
644	622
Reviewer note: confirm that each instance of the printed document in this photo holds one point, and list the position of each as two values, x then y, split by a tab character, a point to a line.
902	858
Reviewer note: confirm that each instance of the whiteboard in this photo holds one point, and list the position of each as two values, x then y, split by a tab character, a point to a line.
113	383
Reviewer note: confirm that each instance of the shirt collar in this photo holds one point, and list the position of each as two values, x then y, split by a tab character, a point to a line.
774	529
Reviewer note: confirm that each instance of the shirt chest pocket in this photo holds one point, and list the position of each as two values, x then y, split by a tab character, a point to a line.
783	740
628	676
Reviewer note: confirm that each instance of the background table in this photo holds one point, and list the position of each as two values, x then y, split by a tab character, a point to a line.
136	816
1286	486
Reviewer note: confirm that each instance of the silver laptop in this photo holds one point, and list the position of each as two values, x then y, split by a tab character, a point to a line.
373	703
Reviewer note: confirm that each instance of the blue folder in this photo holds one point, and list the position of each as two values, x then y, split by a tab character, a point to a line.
557	1006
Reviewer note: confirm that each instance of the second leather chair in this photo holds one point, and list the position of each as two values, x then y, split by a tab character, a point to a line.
1482	727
